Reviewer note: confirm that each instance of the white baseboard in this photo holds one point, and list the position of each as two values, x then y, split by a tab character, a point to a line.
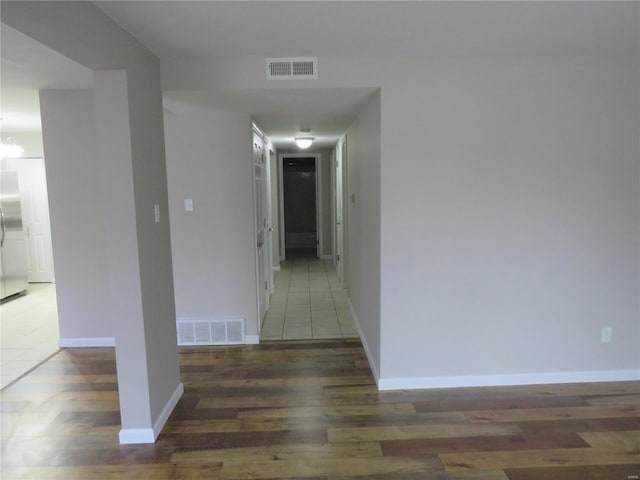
367	351
86	342
276	268
251	339
409	383
148	435
326	257
128	436
168	408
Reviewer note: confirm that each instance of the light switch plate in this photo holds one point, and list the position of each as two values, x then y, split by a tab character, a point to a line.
188	204
156	212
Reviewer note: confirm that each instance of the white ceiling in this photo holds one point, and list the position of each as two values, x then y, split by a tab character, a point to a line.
314	28
27	67
327	112
217	29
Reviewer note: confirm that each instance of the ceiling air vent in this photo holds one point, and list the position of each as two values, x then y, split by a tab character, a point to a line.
292	68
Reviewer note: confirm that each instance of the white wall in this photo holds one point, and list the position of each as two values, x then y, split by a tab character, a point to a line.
509	211
510	221
68	118
363	217
209	160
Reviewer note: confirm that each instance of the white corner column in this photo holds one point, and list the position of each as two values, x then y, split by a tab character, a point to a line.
147	395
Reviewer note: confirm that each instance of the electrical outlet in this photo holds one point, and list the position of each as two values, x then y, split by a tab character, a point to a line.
606	335
188	204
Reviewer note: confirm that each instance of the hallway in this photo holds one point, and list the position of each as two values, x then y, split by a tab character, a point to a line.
308	301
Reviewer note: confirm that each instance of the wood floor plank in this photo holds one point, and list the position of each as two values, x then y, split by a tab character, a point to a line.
553	427
362	381
116	472
21	429
488	403
323	466
631	399
281	452
593	472
96	383
201	441
355	388
228	425
585	389
191	413
282	400
626	439
330	411
196	381
34	398
363	434
470	475
539	458
308	372
481	444
75	406
562	413
353	421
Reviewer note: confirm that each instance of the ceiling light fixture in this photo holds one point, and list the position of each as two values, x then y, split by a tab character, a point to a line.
10	149
304	142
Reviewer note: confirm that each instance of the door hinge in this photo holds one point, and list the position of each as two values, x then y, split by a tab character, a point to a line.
338	257
266	285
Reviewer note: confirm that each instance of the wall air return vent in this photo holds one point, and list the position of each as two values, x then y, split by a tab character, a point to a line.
211	332
292	68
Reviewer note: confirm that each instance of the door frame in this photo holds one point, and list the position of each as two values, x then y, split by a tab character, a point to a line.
340	214
344	157
263	263
317	165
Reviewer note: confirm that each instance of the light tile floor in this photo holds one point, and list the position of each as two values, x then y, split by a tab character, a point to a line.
308	301
29	331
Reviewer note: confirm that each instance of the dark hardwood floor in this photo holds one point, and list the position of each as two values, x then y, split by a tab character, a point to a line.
310	409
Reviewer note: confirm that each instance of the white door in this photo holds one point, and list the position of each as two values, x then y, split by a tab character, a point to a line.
268	212
340	156
260	189
35	217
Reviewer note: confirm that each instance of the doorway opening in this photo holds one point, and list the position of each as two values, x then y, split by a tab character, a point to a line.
300	205
29	322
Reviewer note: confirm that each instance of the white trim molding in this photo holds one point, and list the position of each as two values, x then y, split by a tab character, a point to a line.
251	339
129	436
168	408
86	342
367	351
408	383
